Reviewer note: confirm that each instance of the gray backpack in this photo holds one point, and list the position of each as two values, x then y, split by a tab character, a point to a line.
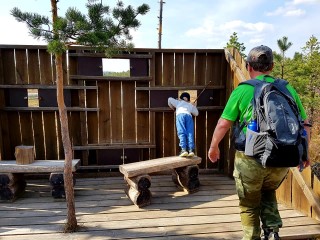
280	141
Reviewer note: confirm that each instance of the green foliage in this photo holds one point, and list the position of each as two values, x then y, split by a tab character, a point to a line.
117	74
106	29
234	42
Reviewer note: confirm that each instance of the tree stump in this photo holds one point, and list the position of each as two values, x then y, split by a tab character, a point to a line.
24	154
138	190
11	185
187	178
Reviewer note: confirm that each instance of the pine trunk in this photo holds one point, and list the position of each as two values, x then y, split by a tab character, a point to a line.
71	224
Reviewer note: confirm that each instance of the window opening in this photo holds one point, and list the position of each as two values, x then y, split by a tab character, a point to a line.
116	67
33	98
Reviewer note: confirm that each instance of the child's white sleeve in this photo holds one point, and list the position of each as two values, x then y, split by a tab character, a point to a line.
194	110
172	102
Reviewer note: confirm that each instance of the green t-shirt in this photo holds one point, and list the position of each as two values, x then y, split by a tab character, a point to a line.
239	107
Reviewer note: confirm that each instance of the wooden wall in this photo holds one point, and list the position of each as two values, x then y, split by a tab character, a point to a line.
112	120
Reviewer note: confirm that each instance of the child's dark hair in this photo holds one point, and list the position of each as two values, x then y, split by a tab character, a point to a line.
185	94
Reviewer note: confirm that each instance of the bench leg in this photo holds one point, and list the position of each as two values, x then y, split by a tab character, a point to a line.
138	190
57	185
12	185
187	178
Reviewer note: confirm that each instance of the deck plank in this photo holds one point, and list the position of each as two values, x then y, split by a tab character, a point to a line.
104	212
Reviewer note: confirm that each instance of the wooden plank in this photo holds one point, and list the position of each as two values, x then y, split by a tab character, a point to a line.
38	166
21	66
26	128
235	68
116	112
284	191
46	68
170	141
38	135
158	70
9	75
168	69
299	200
313	199
178	69
143	118
200	70
105	78
39	86
4	131
50	133
188	69
129	112
92	117
60	148
158	123
46	109
197	87
14	137
316	190
104	114
156	165
117	56
201	139
33	66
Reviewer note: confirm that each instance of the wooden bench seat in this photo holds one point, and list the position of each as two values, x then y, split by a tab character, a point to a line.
12	181
184	175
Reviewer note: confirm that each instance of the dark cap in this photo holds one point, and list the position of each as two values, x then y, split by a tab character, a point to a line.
260	54
185	94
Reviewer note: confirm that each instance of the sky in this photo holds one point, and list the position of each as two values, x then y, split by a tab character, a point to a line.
188	24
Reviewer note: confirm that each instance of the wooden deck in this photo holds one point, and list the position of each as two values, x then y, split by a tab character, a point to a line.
105	212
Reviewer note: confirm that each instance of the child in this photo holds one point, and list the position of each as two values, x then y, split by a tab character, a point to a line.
184	122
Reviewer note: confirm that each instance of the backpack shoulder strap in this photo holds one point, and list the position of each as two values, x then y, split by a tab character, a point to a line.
281	84
252	82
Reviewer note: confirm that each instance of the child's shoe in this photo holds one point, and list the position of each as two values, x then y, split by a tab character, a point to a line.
183	153
191	153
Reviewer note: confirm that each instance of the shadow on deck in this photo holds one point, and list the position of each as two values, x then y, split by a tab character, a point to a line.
104	212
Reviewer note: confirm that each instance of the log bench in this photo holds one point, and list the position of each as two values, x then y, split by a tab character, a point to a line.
12	181
185	173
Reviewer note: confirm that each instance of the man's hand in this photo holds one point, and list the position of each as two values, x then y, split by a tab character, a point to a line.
214	154
303	165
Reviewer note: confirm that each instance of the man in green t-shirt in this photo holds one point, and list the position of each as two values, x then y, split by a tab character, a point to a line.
255	184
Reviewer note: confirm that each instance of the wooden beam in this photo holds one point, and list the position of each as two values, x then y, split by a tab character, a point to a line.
180	88
105	78
234	66
313	199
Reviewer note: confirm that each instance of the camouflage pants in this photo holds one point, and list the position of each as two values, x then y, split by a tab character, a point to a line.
256	191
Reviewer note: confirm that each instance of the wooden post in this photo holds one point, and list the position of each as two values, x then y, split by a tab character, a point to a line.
24	154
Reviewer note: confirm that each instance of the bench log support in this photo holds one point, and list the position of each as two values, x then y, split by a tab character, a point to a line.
57	185
12	185
187	178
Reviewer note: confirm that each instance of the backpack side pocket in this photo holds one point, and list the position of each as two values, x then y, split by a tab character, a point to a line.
255	143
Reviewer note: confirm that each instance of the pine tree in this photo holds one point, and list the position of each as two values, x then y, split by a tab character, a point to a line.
103	28
284	45
234	42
